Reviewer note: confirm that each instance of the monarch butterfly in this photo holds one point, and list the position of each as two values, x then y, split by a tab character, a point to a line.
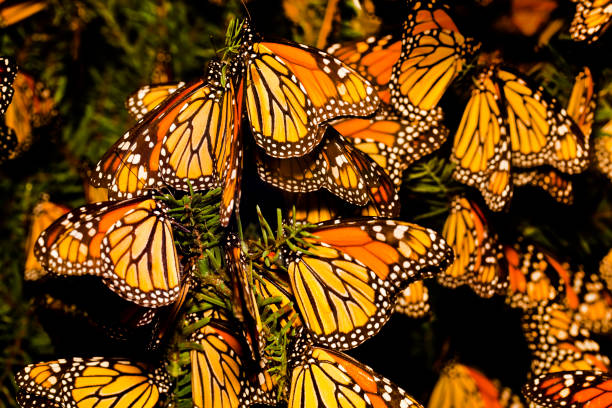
43	215
291	90
594	311
32	107
8	70
220	375
338	167
392	142
536	278
373	58
147	98
89	382
463	386
14	12
582	103
414	300
558	343
345	286
192	139
129	244
591	20
433	53
476	250
327	378
581	108
552	181
533	130
572	389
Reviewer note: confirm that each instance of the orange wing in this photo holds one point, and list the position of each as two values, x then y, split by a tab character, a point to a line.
292	89
392	142
558	343
323	378
535	278
339	168
373	58
129	244
578	389
186	141
481	148
44	214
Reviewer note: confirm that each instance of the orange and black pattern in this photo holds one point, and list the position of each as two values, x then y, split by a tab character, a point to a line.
393	142
129	244
507	123
433	53
220	374
339	168
591	19
292	89
477	251
558	343
321	377
535	277
345	286
91	382
571	389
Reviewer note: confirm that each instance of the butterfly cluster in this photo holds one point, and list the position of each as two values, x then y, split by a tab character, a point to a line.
230	315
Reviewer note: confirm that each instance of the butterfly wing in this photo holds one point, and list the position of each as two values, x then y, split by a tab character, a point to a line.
101	382
582	103
8	70
131	165
373	58
312	208
186	141
327	378
594	308
552	181
42	381
219	376
540	131
579	389
463	386
32	106
428	64
558	343
147	98
336	166
481	149
291	89
591	19
93	382
44	214
129	244
393	142
345	287
535	278
414	300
